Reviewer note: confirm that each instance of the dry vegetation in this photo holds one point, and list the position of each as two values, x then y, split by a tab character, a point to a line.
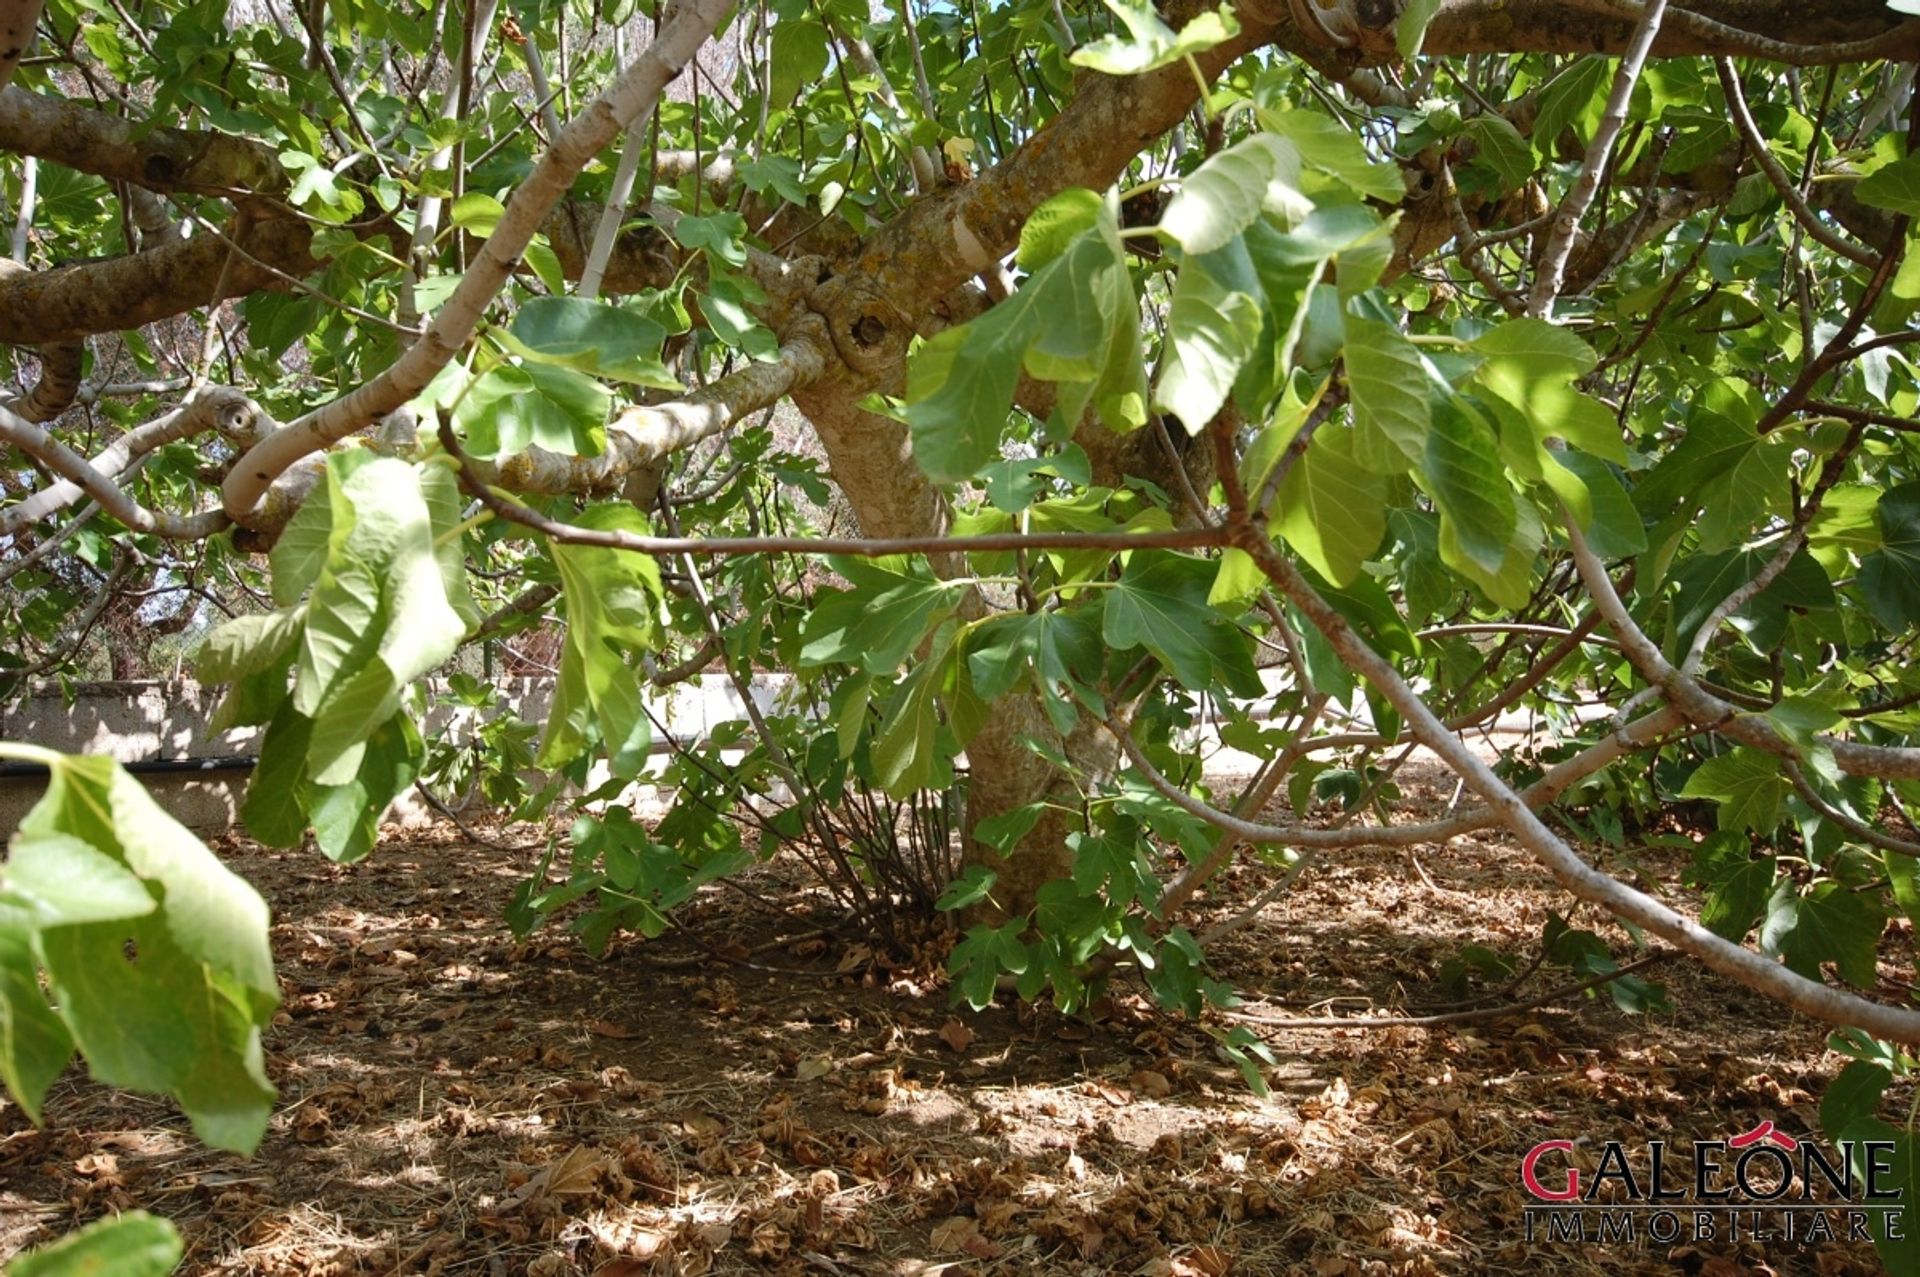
458	1103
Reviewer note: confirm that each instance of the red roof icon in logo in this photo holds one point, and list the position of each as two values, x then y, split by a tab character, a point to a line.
1764	1133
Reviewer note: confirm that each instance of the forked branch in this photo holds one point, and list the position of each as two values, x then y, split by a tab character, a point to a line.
630	96
1821	1001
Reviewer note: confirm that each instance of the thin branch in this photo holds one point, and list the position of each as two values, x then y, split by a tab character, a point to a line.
1840	348
1573	207
60	653
1796	537
542	95
628	98
1477	1015
877	547
64	461
1762	974
1469	246
1510	627
1782	183
1702	707
1846	412
23	222
212	408
310	17
1667	295
529	602
467	831
1537	795
695	662
614	214
221	290
58	383
921	88
48	545
1859	829
1723	38
646	433
859	53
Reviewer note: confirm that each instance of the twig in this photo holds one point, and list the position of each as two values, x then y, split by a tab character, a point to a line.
1840	349
67	463
690	961
467	831
876	547
1796	204
1566	220
1475	1016
1796	537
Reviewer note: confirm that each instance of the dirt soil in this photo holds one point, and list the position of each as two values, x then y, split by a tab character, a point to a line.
456	1102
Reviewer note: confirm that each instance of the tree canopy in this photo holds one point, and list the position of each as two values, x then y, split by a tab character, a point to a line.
1054	389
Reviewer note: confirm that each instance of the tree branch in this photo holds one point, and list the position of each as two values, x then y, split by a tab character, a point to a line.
1821	1001
646	433
69	303
1700	706
1859	829
62	460
1778	30
229	412
1782	183
865	547
17	21
630	96
159	158
1573	207
1541	793
58	383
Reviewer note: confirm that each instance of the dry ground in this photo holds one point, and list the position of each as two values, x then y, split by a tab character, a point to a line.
456	1103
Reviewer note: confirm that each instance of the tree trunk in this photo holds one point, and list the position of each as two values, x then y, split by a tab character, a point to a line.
871	461
1004	775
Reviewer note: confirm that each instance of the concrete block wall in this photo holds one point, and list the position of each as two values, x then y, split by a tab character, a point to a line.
142	722
168	721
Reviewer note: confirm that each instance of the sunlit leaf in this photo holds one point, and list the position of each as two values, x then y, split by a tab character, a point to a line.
1151	43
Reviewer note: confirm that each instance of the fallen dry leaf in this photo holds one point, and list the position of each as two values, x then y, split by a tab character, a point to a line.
961	1234
1151	1084
702	1126
1203	1261
575	1172
956	1034
97	1164
609	1029
311	1125
1087	1235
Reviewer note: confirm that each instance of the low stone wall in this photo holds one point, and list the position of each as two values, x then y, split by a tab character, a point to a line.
167	723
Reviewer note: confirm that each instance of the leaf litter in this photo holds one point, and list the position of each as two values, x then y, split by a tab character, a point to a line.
454	1102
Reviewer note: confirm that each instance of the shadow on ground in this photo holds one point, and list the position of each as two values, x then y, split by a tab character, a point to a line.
456	1103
